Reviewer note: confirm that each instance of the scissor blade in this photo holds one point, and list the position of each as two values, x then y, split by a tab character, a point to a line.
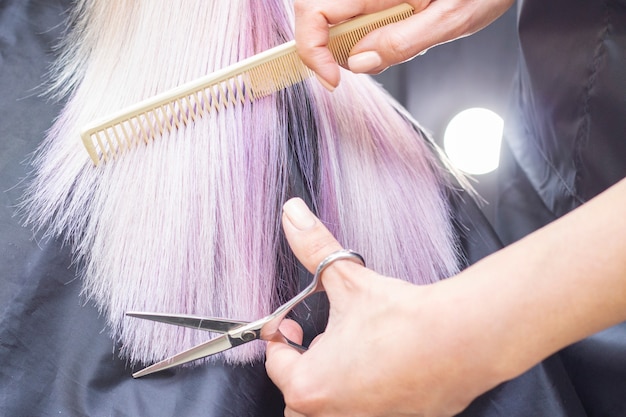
212	324
211	347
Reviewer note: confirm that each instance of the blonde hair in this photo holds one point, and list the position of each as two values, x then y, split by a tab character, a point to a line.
189	223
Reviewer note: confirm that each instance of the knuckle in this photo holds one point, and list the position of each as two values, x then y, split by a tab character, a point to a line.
321	247
315	252
300	7
298	397
305	9
349	275
398	46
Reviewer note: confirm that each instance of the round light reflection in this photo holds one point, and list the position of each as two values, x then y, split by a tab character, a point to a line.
472	140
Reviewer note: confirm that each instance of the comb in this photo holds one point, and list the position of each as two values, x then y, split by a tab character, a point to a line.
250	79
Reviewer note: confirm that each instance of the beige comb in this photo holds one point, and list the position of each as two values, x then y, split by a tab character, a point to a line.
250	79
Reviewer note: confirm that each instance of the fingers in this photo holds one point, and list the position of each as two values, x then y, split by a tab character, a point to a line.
292	331
438	22
309	239
298	375
311	31
280	356
390	45
433	23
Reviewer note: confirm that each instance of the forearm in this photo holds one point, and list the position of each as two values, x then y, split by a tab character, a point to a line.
430	350
552	288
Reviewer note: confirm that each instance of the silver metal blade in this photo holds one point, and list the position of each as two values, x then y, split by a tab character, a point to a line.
211	347
212	324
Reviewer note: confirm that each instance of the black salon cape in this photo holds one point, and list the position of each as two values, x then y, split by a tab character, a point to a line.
56	357
565	142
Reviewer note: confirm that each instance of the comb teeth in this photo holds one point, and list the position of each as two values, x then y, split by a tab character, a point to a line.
343	37
241	83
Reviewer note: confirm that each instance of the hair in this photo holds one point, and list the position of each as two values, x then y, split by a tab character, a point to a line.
190	222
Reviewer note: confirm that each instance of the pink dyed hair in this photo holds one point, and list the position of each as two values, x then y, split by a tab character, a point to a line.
189	223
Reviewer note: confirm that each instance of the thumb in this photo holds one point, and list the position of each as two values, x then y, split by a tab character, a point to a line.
309	239
312	243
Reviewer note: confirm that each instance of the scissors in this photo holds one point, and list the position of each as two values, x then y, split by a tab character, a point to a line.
236	333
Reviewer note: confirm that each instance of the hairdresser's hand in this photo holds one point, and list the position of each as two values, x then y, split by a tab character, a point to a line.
384	352
434	22
394	349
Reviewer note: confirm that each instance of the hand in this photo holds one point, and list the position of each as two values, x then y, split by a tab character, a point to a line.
433	23
384	352
395	349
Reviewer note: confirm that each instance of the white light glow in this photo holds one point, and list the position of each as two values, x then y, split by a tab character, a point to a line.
472	140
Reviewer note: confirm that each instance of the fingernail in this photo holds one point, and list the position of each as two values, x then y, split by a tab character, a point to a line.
364	62
299	214
325	83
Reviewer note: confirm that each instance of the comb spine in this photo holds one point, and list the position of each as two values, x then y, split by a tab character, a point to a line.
175	94
90	133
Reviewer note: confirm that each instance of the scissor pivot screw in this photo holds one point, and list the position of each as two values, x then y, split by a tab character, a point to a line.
248	335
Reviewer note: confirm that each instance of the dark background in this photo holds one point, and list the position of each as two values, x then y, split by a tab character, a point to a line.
476	71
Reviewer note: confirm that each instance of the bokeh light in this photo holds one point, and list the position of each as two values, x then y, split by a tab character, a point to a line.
472	140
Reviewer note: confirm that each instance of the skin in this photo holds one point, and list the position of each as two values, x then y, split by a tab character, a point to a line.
433	23
394	349
430	350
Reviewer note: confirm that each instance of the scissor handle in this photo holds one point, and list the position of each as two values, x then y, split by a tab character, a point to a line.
269	330
265	328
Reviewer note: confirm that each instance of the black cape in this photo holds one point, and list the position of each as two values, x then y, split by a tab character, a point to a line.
565	142
56	357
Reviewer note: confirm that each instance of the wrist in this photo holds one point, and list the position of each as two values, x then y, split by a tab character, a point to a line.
485	333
